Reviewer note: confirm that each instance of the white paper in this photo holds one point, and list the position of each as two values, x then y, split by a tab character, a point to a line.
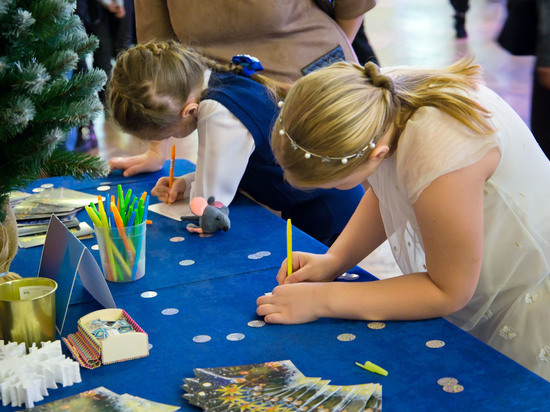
174	211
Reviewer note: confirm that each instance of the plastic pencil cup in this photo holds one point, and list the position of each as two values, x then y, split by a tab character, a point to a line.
122	252
27	310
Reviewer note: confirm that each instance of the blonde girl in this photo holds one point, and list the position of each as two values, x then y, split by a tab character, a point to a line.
164	89
459	187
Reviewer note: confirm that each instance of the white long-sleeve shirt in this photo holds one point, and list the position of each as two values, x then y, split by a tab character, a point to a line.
224	147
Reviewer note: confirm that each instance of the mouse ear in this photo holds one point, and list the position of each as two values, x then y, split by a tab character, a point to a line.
198	204
217	204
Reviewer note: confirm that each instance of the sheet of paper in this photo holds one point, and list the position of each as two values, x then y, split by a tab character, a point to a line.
174	211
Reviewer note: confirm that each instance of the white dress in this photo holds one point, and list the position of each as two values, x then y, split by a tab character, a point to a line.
510	308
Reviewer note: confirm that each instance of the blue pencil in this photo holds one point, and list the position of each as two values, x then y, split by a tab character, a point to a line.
131	218
145	209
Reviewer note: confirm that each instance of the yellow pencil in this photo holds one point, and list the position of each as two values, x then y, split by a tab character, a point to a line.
288	247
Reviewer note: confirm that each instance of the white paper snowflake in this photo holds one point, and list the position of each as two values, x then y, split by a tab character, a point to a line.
25	379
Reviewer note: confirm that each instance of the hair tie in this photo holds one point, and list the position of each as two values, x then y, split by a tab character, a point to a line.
249	64
372	71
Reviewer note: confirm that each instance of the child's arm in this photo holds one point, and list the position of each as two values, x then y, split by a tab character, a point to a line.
362	235
150	161
450	215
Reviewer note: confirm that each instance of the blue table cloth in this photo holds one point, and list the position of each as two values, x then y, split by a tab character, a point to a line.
216	296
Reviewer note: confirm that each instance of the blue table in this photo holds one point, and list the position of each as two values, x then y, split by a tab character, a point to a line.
216	296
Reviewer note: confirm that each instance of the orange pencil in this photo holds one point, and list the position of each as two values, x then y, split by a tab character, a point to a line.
172	163
120	226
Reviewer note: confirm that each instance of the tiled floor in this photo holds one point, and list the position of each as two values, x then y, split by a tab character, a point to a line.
405	32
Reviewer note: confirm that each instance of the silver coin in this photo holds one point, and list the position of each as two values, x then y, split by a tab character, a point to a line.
376	325
170	311
38	189
254	256
201	338
95	247
47	185
150	346
103	188
187	262
434	344
263	253
346	337
235	336
177	239
349	276
149	294
453	388
256	323
447	381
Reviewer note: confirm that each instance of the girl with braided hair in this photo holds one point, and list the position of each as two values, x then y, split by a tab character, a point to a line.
458	186
164	89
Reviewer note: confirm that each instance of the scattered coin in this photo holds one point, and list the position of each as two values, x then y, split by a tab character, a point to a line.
177	239
453	389
170	311
149	294
346	337
38	189
235	336
256	323
47	185
201	338
187	262
349	276
447	381
95	247
434	344
376	325
103	188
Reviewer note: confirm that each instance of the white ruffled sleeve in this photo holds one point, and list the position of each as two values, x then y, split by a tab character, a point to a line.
432	144
225	145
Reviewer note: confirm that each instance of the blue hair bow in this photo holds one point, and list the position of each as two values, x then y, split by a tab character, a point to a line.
250	64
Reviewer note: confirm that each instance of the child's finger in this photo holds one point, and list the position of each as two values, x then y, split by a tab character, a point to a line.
281	274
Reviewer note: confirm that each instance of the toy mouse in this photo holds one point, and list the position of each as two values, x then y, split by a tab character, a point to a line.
212	216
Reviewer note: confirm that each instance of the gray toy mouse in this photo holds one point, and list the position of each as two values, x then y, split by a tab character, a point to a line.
212	216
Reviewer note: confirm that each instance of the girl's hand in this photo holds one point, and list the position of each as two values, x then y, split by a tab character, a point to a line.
309	267
150	161
298	303
162	190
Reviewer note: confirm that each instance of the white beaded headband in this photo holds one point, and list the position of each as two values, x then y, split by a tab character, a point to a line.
325	159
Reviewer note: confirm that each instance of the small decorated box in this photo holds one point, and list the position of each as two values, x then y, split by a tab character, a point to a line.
107	336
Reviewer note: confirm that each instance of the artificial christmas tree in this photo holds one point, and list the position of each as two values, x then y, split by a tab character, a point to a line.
41	42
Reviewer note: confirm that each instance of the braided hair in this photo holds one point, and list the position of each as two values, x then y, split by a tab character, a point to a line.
151	83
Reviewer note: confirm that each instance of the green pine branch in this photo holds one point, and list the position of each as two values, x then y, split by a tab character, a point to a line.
41	42
76	165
